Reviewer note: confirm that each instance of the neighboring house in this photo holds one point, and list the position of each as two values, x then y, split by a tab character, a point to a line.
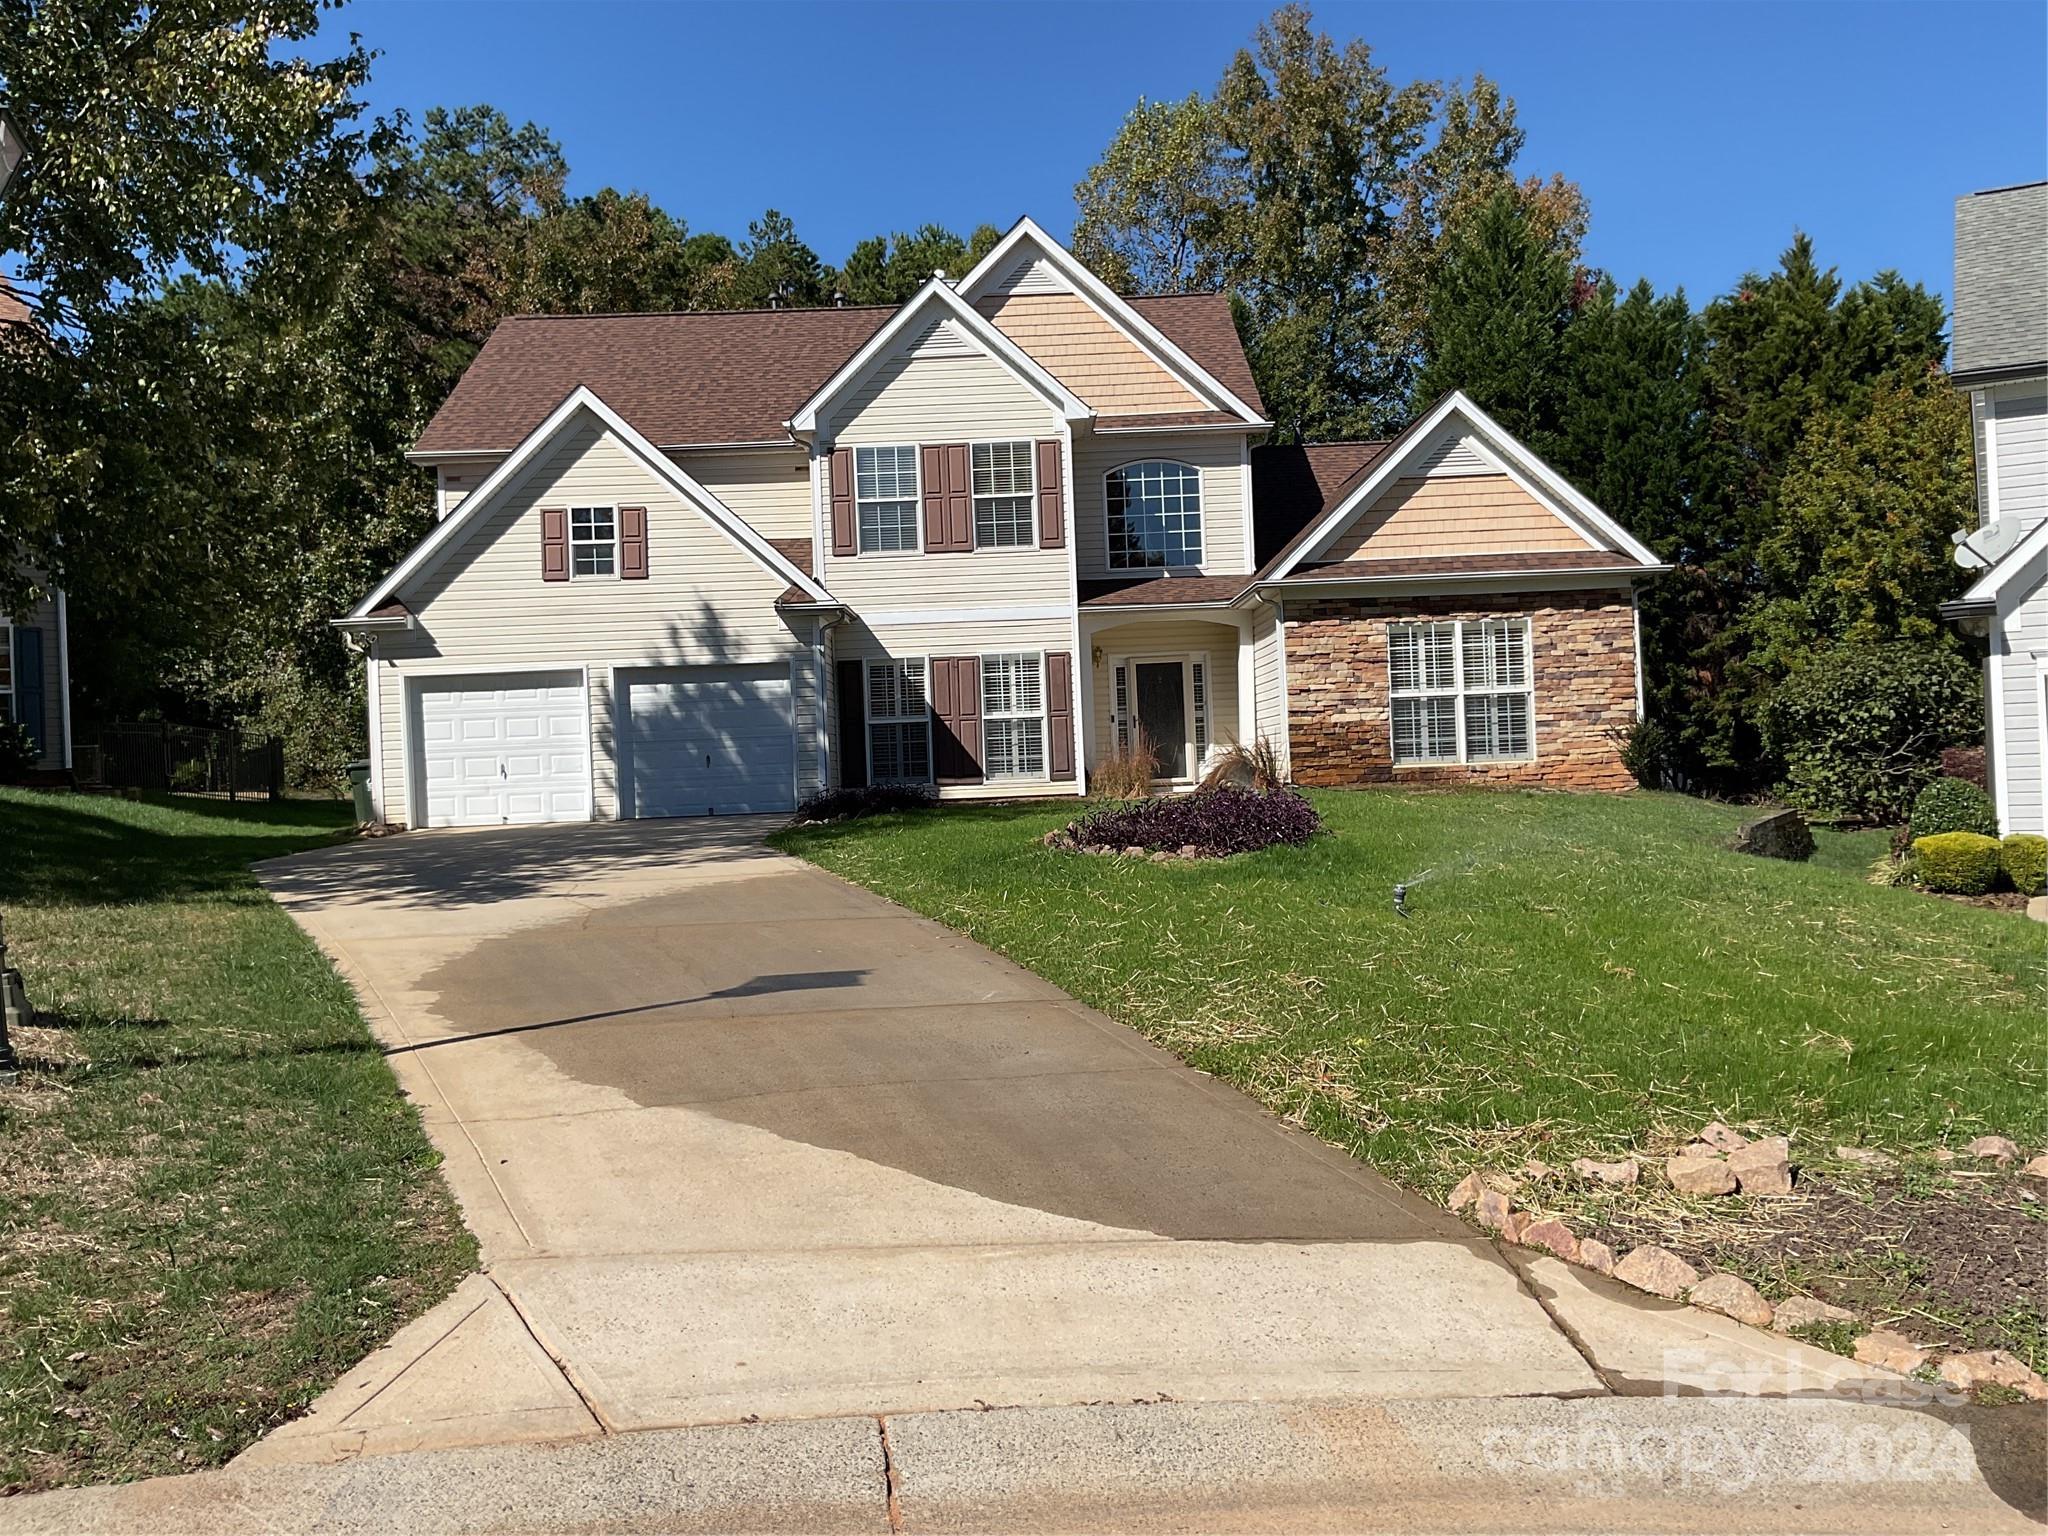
2000	356
702	563
35	650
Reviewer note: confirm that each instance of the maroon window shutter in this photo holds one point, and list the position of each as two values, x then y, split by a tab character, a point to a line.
959	498
633	543
1059	713
932	488
845	540
1052	510
956	708
554	544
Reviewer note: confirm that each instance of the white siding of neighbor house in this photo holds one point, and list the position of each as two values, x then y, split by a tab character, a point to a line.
1269	684
1225	494
2021	654
485	606
857	641
944	399
2018	426
1167	637
41	614
458	478
770	487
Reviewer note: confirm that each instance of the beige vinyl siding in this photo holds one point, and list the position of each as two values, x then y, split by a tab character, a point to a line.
1167	637
857	641
1452	515
484	606
948	400
2022	640
770	488
1269	682
2019	434
459	479
1097	361
41	614
1220	458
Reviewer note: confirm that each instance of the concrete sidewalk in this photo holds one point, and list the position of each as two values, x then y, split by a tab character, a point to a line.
1440	1465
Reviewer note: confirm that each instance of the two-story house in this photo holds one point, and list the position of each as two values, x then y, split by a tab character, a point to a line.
1999	355
690	564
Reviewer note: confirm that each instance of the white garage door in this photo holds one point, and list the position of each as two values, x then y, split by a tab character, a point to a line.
707	741
509	748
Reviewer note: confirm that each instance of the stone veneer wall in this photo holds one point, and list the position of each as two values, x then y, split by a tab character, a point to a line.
1340	722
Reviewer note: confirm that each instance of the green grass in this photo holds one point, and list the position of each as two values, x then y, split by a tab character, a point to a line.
1579	973
213	1199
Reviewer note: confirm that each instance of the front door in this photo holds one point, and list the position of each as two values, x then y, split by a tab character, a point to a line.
1163	716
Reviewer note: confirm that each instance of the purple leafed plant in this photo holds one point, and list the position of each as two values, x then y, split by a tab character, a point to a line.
1216	822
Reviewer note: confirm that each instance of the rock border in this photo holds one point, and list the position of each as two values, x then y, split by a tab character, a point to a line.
1062	840
1720	1161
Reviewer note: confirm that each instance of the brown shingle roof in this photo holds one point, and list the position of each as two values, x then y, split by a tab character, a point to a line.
1200	325
1150	420
1465	565
11	307
1153	591
732	376
1294	484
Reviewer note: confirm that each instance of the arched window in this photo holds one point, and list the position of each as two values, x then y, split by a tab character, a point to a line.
1155	515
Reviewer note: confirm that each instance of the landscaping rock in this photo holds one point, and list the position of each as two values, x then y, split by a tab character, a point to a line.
1516	1225
1805	1311
1627	1171
1732	1296
1467	1192
2037	1167
1998	1148
1134	852
1992	1368
1492	1209
1893	1351
1700	1176
1763	1167
1869	1157
1553	1236
1722	1139
1698	1148
1190	851
1536	1168
1658	1271
1780	835
1162	857
1596	1256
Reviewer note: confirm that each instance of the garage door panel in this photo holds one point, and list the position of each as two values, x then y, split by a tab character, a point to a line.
516	753
709	741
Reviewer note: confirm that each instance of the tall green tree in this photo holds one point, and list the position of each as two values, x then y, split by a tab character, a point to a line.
887	269
773	269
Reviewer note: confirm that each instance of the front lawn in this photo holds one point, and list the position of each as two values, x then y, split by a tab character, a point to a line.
212	1196
1575	972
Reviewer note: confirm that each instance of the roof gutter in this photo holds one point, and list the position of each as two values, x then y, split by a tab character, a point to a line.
1509	580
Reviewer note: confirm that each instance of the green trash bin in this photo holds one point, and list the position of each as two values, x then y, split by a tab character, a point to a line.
359	791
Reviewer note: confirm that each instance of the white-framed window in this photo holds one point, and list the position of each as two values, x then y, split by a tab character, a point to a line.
899	721
1462	690
1155	515
885	494
6	671
1013	716
1005	495
593	541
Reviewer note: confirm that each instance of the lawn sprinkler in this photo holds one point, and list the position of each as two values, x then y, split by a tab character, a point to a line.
1401	900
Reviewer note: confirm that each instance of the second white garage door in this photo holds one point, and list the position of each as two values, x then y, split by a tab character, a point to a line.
706	741
509	748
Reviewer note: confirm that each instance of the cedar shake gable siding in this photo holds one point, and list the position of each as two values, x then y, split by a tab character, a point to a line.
1339	712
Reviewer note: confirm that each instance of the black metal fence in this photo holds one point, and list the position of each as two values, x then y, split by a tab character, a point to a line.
189	759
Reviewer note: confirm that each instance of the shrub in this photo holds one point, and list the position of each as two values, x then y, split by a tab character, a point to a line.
1256	766
2024	857
1965	763
1127	772
1961	863
1215	821
17	749
1892	868
1645	750
1951	805
851	803
1860	728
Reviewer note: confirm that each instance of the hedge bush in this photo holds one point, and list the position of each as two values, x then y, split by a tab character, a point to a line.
1953	805
17	749
867	800
2024	856
1216	822
1961	863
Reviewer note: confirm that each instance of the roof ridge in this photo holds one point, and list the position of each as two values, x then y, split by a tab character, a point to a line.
677	314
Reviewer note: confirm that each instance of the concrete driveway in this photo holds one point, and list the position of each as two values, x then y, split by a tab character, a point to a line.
742	1141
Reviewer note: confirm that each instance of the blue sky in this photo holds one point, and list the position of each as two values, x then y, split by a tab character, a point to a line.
1703	134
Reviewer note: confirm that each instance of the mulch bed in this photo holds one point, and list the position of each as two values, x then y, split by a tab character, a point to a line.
1952	1258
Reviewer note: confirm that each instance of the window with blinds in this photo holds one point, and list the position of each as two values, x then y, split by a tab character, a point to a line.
1005	491
1461	691
885	498
1013	716
899	722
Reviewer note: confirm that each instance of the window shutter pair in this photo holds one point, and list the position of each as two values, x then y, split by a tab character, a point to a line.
948	500
956	719
554	544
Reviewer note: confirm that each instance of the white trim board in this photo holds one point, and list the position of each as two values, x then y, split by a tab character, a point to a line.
513	471
891	338
1105	302
1517	462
